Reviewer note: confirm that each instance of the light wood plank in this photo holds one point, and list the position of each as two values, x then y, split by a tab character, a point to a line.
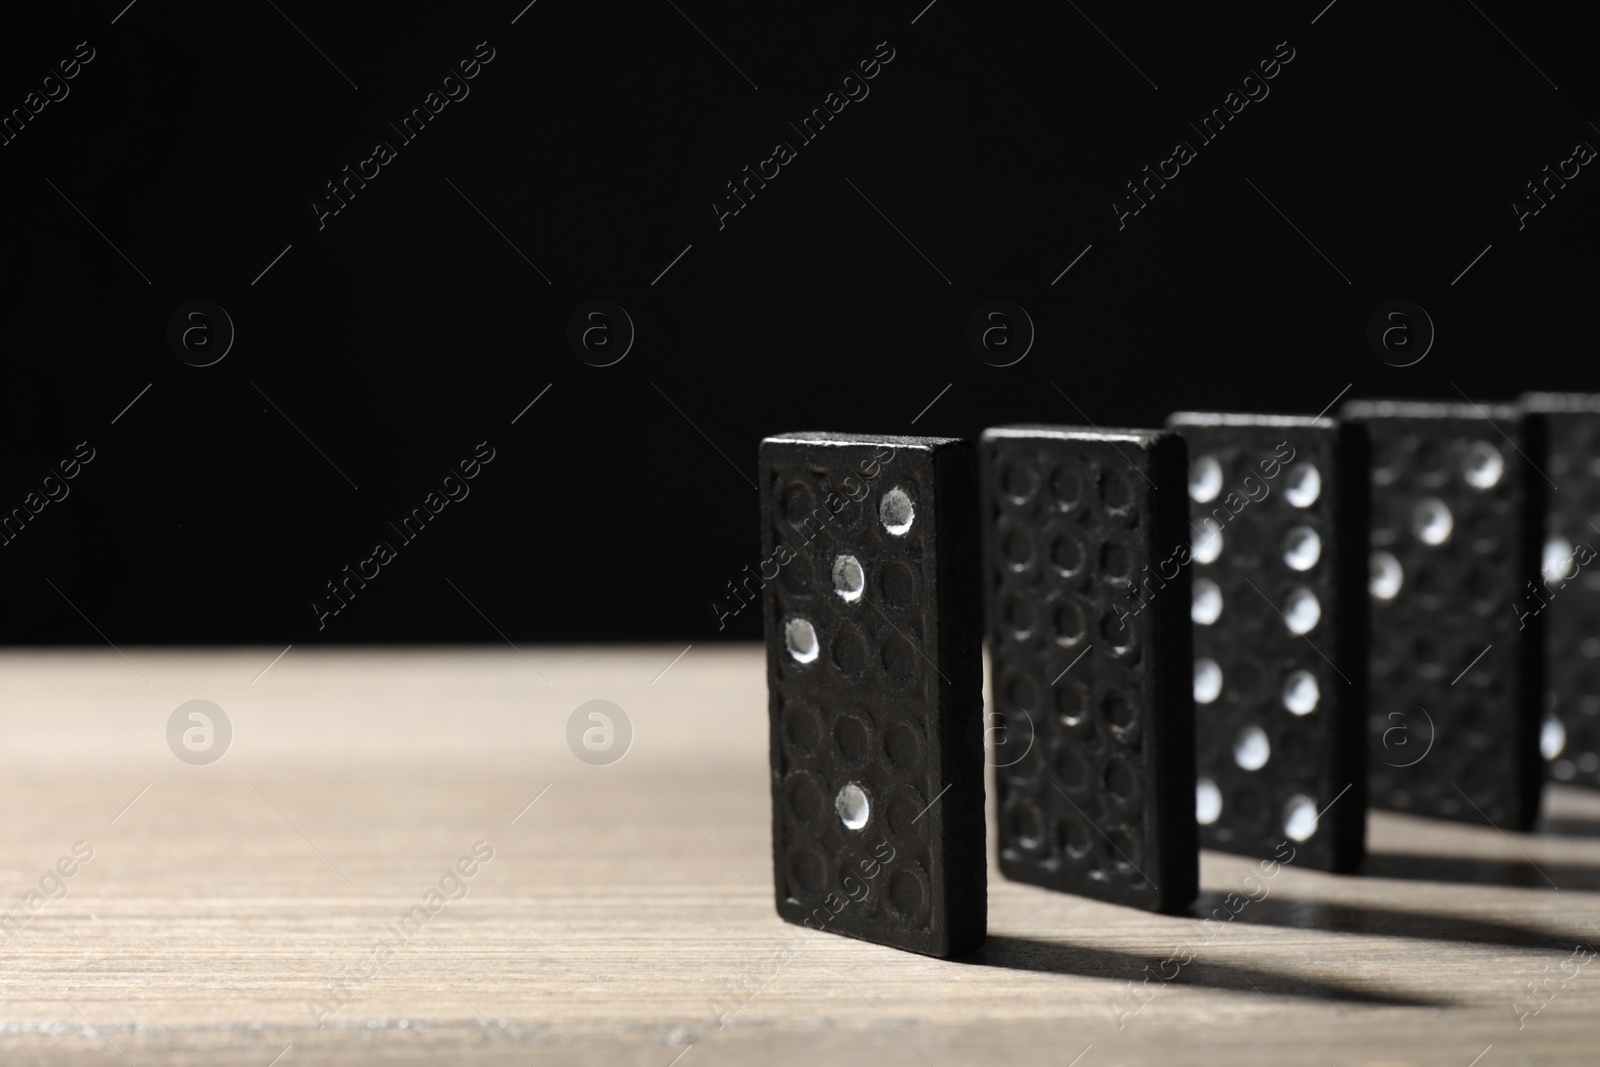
626	917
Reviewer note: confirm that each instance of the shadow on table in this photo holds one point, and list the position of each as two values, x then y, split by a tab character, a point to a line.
1027	954
1517	874
1386	922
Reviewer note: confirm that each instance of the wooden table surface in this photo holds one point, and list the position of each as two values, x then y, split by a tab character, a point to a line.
626	917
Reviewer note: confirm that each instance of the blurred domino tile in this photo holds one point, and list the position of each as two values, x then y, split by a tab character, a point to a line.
1456	690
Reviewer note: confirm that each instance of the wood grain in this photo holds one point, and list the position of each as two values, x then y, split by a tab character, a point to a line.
626	916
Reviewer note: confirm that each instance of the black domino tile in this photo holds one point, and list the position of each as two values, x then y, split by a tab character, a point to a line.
1278	520
876	706
1455	676
1089	667
1567	595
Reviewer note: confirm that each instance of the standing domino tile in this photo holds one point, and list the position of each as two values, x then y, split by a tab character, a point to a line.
1568	595
1278	510
1455	676
874	670
1088	603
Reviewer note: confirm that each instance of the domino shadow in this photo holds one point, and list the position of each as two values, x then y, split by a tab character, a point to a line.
1386	922
1514	874
1029	954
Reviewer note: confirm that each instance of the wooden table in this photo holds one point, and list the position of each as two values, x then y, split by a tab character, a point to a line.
626	917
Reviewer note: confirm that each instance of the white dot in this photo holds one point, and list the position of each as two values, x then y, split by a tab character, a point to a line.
852	806
1207	681
1386	576
1209	545
1432	522
1207	606
1482	465
1302	485
1300	817
1302	611
1558	559
1205	479
848	580
1302	548
1207	801
1552	737
1251	750
896	511
801	638
1300	692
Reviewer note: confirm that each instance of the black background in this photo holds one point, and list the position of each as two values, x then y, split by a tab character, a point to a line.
407	329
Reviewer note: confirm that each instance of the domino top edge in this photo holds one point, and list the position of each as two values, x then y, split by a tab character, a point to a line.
1427	409
1556	403
821	437
1141	438
1229	418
